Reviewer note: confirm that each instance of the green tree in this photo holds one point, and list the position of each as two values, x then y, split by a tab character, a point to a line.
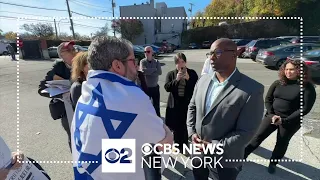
10	35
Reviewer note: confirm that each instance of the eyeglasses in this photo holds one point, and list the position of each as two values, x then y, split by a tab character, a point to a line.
217	53
133	60
147	51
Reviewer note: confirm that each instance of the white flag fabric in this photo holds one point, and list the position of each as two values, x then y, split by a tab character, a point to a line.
111	107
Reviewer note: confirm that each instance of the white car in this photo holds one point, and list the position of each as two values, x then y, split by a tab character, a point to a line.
3	49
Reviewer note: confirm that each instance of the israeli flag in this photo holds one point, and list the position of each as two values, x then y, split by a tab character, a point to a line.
111	107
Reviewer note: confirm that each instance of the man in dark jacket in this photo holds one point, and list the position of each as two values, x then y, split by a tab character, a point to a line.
12	52
60	70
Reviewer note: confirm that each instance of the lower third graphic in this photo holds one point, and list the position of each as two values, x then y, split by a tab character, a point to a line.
118	155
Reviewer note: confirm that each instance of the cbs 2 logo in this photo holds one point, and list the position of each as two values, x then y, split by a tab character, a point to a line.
115	155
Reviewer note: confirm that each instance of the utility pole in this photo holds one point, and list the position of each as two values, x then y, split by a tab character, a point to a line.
55	27
113	6
71	21
190	9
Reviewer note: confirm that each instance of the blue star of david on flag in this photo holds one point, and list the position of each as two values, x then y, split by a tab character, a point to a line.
106	116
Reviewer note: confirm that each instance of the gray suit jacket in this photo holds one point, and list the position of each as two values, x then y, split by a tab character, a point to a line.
233	118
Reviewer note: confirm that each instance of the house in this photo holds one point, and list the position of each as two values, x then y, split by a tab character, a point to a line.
157	30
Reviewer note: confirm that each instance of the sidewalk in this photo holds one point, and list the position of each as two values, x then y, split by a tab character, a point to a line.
303	148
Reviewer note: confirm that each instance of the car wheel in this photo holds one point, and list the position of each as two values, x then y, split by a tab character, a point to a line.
279	63
5	53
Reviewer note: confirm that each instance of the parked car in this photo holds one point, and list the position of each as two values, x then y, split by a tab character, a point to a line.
80	48
275	56
193	46
53	52
174	47
312	60
164	47
206	44
138	53
287	38
241	45
306	39
255	45
3	49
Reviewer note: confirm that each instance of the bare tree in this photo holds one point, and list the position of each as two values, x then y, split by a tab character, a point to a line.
39	30
129	28
102	31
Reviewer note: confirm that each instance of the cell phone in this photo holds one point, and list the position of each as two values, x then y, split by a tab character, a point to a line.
183	69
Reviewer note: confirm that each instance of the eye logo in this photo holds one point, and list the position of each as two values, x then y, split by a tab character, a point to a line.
112	155
118	155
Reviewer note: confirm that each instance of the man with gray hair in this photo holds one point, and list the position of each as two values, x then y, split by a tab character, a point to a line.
151	68
112	114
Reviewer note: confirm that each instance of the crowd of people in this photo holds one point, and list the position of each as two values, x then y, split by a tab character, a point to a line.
222	105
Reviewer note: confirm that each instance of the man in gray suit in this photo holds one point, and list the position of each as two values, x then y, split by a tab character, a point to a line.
227	108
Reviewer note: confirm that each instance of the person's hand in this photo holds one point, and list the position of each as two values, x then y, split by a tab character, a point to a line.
186	76
17	158
4	173
179	76
56	77
279	122
203	144
276	120
195	138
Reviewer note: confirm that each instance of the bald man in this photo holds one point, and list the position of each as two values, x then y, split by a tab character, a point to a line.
226	109
151	68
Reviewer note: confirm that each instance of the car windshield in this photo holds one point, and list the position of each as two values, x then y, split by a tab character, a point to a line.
313	53
136	48
274	48
251	43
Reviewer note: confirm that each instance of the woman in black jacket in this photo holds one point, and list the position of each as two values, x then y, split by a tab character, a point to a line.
283	109
180	83
61	70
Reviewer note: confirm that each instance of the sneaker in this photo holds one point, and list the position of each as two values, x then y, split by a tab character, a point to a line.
272	168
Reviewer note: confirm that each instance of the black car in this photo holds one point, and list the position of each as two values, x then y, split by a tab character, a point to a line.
254	46
312	60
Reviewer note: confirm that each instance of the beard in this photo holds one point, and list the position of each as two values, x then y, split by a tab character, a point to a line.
131	75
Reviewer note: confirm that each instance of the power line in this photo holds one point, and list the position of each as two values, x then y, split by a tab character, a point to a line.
35	7
25	13
87	4
35	20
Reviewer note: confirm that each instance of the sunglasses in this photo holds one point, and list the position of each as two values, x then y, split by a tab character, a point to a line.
147	51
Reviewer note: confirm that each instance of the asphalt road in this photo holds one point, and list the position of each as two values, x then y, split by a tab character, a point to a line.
43	139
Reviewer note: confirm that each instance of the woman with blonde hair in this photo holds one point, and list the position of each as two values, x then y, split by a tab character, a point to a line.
78	75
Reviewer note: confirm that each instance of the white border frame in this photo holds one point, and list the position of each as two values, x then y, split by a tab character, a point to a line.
187	18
